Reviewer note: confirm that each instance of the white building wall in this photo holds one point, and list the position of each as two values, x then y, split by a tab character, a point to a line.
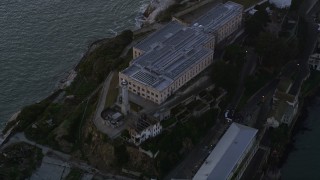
314	61
149	132
136	52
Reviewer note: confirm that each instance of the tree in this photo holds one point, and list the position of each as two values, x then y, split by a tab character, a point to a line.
225	75
257	22
273	51
121	154
236	54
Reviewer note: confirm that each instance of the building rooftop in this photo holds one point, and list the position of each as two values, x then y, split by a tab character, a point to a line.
219	15
227	153
159	36
142	122
284	84
169	58
279	109
284	96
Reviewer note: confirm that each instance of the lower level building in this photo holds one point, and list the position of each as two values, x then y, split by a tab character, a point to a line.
144	127
231	156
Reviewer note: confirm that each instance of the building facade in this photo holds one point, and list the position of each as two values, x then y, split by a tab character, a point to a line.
222	20
314	59
172	56
284	105
144	128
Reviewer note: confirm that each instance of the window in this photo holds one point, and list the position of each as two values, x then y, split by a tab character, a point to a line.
134	85
152	93
142	89
156	95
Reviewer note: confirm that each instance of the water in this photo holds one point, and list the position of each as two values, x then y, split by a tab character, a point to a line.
304	162
41	40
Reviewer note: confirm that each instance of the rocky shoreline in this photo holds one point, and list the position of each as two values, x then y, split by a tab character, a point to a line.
150	13
300	125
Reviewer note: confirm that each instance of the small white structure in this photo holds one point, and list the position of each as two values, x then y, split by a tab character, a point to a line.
232	154
281	3
125	106
314	59
285	105
252	11
145	127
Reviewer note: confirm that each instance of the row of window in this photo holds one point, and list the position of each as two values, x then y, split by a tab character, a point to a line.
180	82
136	54
187	76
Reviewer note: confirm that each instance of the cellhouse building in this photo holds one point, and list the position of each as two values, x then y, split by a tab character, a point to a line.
173	55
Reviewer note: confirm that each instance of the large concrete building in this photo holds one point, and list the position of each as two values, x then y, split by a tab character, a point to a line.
231	156
172	56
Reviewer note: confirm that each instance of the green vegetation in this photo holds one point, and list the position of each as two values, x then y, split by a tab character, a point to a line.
275	52
279	137
44	121
255	82
168	122
135	107
105	57
235	54
121	154
295	4
166	15
256	24
18	161
97	65
125	133
175	144
74	174
31	113
226	75
113	90
311	83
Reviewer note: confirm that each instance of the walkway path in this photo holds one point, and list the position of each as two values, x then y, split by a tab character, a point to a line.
57	156
98	120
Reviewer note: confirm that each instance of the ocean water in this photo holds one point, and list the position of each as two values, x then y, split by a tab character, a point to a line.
304	162
41	40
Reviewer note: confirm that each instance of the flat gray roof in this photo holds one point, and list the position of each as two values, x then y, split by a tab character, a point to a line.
168	59
227	153
159	36
219	15
174	48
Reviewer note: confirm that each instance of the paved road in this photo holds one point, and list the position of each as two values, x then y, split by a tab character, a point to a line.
246	70
189	166
311	40
60	156
98	120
